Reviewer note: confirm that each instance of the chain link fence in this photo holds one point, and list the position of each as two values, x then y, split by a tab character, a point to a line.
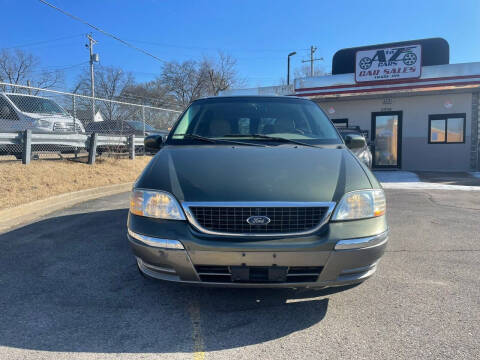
57	112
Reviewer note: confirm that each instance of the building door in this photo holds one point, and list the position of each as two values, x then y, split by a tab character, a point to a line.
387	139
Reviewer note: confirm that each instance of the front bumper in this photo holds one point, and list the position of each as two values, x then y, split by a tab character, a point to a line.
319	261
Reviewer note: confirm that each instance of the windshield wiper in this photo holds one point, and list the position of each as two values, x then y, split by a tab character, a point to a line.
274	138
215	141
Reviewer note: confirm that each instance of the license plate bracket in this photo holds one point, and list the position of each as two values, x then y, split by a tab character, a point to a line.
240	273
277	273
259	273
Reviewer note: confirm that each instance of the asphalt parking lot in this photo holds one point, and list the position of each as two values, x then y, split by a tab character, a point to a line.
70	290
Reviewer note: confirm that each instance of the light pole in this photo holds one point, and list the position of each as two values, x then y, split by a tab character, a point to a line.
288	66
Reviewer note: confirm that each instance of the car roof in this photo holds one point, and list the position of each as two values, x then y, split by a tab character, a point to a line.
251	97
28	95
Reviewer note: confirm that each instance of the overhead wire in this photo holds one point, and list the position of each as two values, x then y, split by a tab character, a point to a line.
129	44
44	41
210	48
104	32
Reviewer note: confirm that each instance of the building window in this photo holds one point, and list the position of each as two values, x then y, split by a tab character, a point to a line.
340	122
446	129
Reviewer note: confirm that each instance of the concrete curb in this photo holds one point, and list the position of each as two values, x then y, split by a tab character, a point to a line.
21	214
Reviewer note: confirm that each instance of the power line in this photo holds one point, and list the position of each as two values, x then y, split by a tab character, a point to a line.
44	41
209	48
128	95
60	67
102	31
64	67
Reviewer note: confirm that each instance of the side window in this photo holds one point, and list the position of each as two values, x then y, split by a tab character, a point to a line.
437	130
186	120
446	129
6	111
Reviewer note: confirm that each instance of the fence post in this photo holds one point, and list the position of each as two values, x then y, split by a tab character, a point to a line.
27	146
143	119
74	113
92	149
131	147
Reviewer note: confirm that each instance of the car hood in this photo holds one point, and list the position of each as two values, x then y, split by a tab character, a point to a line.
50	117
248	173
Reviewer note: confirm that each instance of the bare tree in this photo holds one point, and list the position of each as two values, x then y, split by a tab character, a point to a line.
304	71
221	73
18	67
110	82
151	93
282	81
192	79
185	81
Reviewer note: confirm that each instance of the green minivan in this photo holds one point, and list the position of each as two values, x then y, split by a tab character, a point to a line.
256	191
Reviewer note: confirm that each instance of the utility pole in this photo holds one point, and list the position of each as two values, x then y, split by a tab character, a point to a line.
312	51
93	59
312	59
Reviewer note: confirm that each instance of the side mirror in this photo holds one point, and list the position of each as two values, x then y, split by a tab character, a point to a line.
153	143
354	141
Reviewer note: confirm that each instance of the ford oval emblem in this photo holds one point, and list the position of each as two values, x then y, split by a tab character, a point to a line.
258	220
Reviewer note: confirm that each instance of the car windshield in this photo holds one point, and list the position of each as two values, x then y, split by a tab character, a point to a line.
31	104
255	119
138	125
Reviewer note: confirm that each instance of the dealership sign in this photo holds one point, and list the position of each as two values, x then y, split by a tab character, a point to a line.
401	62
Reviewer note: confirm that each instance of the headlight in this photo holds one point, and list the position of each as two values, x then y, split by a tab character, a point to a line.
42	123
360	204
155	204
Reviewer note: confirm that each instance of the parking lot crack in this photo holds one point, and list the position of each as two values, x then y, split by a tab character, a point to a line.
433	201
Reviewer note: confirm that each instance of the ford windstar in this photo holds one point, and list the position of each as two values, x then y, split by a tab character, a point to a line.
256	192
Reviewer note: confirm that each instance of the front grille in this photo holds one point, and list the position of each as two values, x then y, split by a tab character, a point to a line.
257	274
66	127
282	219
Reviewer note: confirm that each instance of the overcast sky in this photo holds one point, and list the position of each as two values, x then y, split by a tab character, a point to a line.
259	34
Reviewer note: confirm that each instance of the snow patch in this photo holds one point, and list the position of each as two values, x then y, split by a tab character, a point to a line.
427	186
396	176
